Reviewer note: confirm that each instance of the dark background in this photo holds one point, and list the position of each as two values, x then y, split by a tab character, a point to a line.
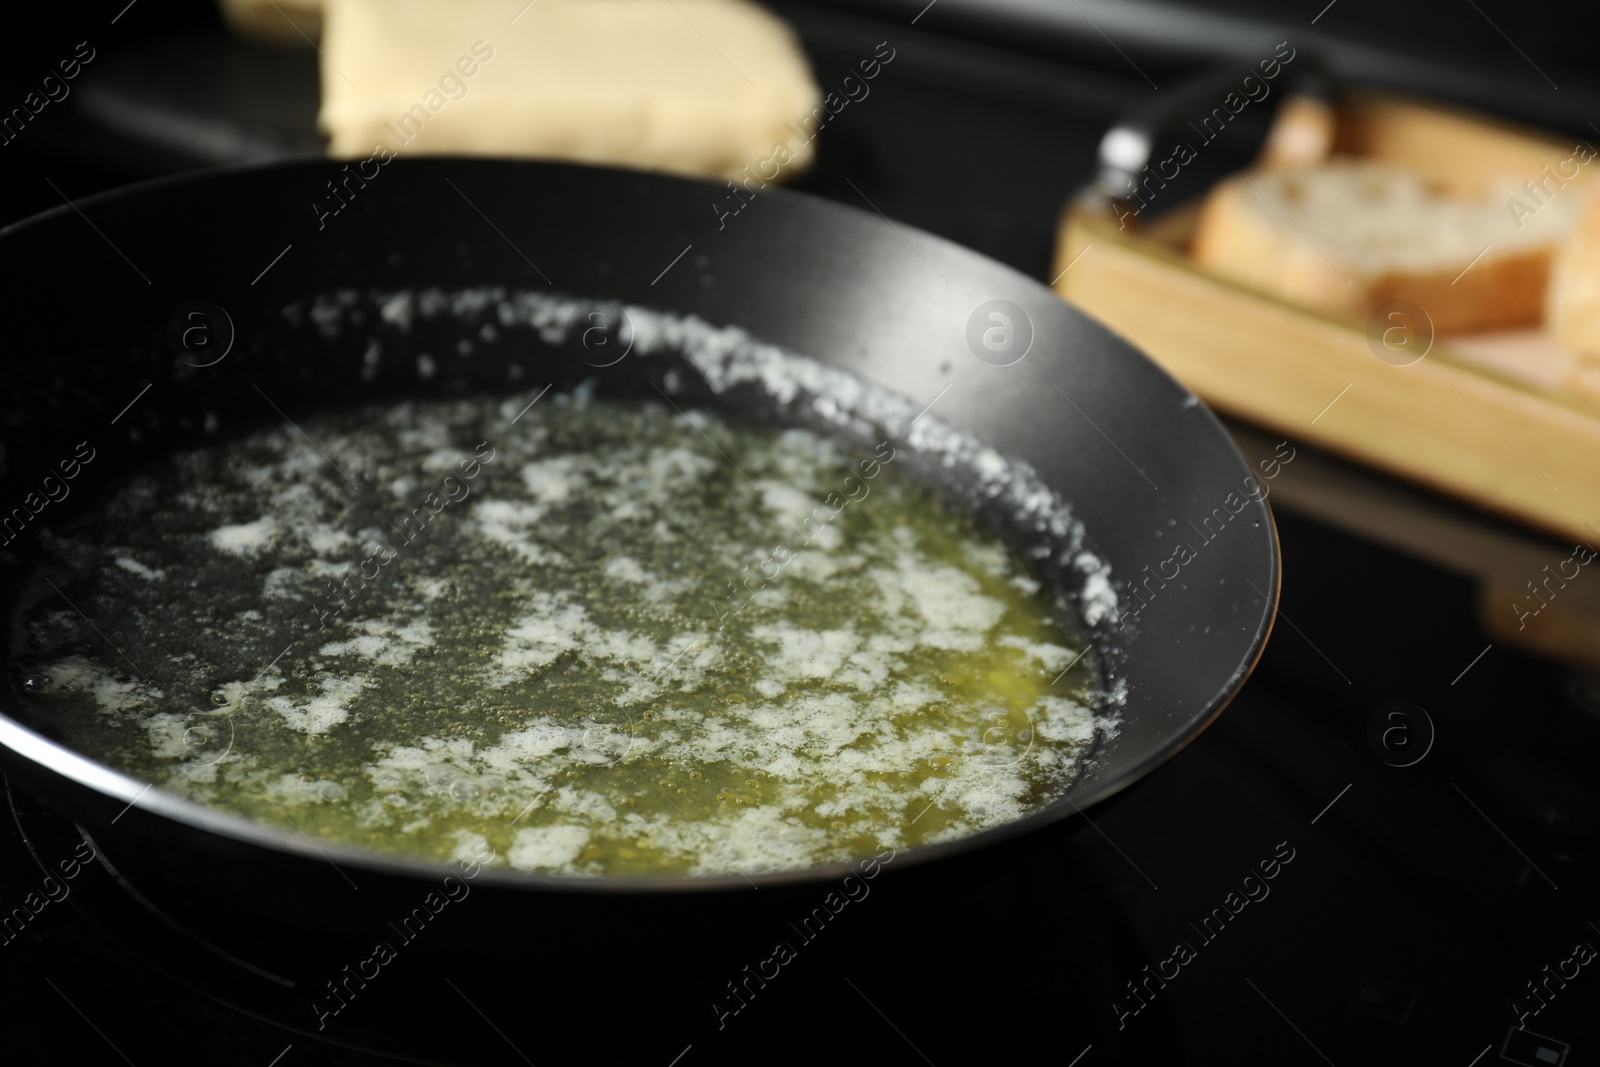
1421	899
167	91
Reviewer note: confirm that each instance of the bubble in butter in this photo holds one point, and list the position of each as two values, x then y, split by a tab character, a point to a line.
607	638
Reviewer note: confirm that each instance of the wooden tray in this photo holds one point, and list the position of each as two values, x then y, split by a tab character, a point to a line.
1506	421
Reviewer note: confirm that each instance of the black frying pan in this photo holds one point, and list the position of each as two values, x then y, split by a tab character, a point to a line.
92	288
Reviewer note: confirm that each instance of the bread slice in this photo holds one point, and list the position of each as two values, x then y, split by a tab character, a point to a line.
1348	236
1573	306
710	87
1302	134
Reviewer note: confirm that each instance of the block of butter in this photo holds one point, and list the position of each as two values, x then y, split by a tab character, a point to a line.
706	87
289	22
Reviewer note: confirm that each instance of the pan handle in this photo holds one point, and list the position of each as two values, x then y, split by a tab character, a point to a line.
1302	126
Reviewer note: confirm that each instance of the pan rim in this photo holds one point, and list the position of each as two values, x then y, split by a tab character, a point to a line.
56	759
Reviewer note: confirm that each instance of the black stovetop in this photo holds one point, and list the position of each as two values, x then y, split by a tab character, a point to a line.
1410	907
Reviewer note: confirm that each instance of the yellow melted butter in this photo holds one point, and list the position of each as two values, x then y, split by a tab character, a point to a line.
554	661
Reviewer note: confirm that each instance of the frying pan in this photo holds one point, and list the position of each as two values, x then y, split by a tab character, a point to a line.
91	294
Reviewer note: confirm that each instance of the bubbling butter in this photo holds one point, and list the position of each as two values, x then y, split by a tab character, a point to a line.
607	638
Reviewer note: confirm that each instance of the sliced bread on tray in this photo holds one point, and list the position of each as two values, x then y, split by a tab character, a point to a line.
1348	236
